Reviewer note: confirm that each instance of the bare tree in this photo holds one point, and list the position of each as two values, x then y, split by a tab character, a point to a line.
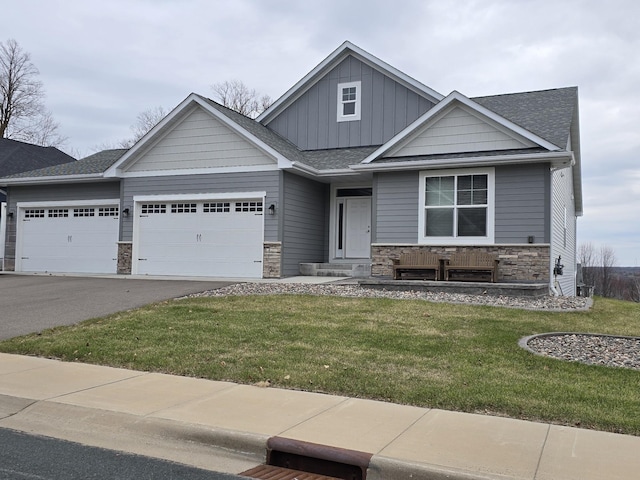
237	96
23	115
145	121
587	261
607	262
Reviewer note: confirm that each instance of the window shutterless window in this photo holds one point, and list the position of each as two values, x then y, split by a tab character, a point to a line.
349	101
456	207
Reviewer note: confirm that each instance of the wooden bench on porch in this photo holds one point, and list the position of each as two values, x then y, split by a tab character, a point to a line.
417	265
474	266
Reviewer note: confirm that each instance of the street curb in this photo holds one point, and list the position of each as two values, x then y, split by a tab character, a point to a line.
385	468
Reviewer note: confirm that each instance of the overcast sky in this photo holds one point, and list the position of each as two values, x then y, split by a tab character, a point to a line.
103	62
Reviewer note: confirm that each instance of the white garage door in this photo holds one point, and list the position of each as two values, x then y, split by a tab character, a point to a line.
201	238
82	239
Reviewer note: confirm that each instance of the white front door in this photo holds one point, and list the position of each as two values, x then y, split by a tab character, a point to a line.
357	227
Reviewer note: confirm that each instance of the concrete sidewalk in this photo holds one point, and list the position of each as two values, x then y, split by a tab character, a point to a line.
225	426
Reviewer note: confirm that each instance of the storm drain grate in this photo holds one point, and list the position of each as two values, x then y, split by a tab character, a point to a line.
295	460
270	472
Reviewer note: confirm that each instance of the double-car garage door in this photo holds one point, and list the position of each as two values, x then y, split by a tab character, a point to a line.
222	238
218	238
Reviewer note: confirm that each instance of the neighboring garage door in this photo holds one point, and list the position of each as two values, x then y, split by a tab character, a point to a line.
72	239
221	238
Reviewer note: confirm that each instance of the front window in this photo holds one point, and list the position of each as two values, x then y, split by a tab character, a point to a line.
456	207
349	101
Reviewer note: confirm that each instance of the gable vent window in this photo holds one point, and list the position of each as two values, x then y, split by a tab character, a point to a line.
34	213
108	211
218	207
58	213
147	208
248	206
183	208
84	212
349	100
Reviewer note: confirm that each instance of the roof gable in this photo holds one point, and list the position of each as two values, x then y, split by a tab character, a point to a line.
458	130
332	61
194	136
450	116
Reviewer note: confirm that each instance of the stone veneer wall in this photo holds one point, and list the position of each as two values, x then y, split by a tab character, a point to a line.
124	258
518	263
272	260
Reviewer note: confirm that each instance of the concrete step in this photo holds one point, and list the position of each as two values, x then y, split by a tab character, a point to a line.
358	270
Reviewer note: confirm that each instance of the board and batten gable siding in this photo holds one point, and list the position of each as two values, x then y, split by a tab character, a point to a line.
305	223
563	240
387	107
203	184
522	203
459	131
53	193
200	141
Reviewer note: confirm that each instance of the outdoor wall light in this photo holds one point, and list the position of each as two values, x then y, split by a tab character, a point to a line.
125	212
272	209
10	215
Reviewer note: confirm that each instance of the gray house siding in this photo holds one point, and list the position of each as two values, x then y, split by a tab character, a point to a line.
396	207
53	193
387	107
198	184
563	235
305	228
521	205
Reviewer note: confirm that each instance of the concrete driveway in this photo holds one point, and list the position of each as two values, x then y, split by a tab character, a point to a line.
32	303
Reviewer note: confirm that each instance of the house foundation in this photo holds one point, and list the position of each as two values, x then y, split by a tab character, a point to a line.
124	258
518	263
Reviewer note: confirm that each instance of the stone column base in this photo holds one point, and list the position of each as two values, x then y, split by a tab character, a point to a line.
124	258
272	260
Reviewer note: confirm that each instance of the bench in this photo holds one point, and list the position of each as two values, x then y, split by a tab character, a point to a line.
415	264
471	267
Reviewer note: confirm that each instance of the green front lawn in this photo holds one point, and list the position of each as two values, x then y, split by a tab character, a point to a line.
454	357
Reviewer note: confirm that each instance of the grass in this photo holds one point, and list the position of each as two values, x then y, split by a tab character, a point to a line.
454	357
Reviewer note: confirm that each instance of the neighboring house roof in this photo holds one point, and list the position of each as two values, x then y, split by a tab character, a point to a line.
91	166
16	157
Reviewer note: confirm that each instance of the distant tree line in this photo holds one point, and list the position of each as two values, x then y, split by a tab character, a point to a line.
599	271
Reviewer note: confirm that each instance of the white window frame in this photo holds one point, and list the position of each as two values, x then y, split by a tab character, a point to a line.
358	101
489	238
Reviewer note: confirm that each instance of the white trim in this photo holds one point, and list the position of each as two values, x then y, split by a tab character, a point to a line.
56	179
347	48
357	101
561	159
455	96
200	171
198	196
453	240
333	216
69	203
3	230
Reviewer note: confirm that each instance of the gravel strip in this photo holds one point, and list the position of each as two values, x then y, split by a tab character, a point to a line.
548	303
608	350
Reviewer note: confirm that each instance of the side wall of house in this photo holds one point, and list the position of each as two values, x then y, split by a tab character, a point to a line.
563	242
305	229
50	193
387	107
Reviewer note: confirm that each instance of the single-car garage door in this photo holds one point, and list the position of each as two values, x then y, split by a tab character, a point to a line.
78	238
217	238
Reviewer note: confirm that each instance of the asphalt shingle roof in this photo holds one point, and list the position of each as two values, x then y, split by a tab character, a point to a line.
16	157
93	164
547	113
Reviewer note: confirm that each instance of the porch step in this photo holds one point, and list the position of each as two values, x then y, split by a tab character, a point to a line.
358	270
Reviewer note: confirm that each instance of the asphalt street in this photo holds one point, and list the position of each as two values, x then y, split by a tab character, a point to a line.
32	303
24	456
